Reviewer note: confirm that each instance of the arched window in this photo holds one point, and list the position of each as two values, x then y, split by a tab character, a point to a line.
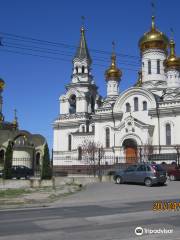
149	67
168	134
107	138
69	142
83	68
79	153
136	104
144	105
128	107
83	128
158	66
76	69
1	157
72	104
93	128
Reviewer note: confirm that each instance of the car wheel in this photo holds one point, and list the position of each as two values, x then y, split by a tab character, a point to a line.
172	178
148	182
119	180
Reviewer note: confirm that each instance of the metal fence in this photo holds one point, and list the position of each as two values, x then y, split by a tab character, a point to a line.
107	165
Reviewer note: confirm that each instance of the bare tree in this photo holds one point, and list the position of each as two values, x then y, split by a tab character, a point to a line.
93	153
148	150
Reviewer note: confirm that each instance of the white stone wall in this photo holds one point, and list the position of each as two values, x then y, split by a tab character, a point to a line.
173	78
112	88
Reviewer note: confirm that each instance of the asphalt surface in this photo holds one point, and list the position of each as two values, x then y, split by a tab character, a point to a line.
103	211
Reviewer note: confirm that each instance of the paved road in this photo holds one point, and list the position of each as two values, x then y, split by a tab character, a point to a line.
104	211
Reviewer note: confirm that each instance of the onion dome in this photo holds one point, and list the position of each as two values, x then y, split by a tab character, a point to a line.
2	84
172	62
113	73
153	39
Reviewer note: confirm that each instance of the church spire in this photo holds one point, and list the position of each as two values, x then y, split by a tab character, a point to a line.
2	84
82	51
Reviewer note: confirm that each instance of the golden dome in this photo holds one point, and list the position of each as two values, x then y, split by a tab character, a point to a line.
2	84
172	61
153	39
113	72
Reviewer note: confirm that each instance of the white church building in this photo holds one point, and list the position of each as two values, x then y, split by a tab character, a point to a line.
142	120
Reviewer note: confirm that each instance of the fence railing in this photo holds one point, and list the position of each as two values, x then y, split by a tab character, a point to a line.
106	165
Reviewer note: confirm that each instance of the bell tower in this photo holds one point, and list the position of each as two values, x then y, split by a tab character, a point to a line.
82	91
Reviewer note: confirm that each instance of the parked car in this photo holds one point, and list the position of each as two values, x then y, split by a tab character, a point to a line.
146	173
21	171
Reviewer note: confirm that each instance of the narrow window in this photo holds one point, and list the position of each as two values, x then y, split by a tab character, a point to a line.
93	128
158	66
83	129
92	104
87	127
144	106
76	69
72	104
135	104
69	142
107	138
83	69
168	134
128	107
149	67
79	153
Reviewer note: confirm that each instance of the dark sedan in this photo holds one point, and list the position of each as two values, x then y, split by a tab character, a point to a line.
21	171
148	174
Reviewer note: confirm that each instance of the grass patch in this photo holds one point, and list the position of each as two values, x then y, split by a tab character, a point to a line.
10	193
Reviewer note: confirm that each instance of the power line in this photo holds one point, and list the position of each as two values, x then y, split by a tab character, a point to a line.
44	50
15	37
55	58
34	40
60	53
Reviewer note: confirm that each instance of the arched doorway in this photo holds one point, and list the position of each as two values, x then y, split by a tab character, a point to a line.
130	150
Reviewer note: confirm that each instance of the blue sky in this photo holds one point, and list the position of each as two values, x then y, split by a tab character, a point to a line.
34	84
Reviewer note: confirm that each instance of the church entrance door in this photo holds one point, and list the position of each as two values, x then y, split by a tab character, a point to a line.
130	150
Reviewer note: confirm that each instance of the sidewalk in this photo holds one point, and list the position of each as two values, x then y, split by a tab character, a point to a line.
35	197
